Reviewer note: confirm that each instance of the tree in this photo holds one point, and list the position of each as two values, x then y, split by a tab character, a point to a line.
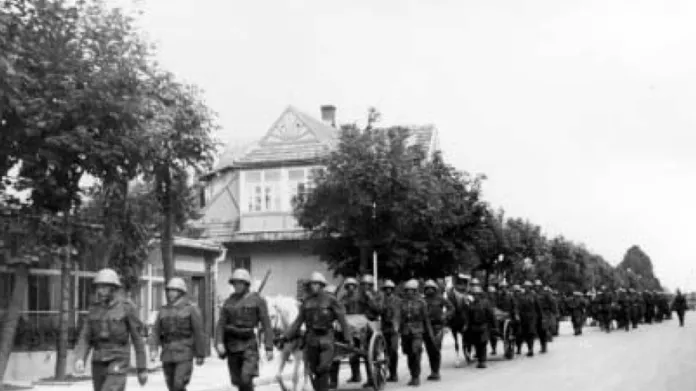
639	269
378	191
82	96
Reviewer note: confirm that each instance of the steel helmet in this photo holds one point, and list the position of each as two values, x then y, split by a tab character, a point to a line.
588	294
503	284
388	284
317	277
411	284
330	289
367	279
475	281
463	277
107	277
538	283
350	281
491	289
178	284
476	289
528	283
430	284
241	275
516	287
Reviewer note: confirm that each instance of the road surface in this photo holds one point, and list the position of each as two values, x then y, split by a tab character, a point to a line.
658	357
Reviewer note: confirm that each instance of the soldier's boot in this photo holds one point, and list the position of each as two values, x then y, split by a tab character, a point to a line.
333	375
530	347
519	346
543	346
355	370
414	382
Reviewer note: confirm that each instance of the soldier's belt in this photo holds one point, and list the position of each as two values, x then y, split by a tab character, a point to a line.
240	332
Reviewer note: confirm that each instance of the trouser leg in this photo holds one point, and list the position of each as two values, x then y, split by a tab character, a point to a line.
99	372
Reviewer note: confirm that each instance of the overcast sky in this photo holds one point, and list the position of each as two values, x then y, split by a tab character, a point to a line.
581	113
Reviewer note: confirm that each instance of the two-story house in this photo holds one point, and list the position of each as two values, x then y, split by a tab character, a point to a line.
248	199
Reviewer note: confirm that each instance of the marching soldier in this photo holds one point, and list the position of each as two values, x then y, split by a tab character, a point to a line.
623	316
544	322
235	339
390	320
482	324
179	330
459	298
679	306
492	296
634	304
111	327
439	311
649	306
359	302
530	312
415	325
576	307
606	302
506	302
318	313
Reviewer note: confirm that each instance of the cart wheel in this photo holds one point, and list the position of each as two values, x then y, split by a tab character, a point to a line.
378	361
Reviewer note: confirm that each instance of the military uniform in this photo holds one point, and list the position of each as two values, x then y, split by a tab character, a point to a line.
390	320
530	312
415	325
623	307
576	309
545	321
606	308
648	300
439	310
239	315
318	313
360	302
109	331
179	330
482	324
679	305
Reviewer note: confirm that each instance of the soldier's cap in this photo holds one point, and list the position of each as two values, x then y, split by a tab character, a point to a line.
367	279
503	284
411	285
516	287
491	289
475	281
476	289
350	281
538	283
528	283
548	289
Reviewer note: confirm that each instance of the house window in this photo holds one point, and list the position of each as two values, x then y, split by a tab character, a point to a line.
263	190
241	263
301	182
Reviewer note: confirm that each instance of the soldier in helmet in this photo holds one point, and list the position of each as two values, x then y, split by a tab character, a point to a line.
111	327
390	320
179	330
546	305
361	301
482	324
576	307
492	296
439	311
507	303
318	313
235	338
530	312
414	327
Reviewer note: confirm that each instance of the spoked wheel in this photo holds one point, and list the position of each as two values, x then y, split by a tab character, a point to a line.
509	340
378	361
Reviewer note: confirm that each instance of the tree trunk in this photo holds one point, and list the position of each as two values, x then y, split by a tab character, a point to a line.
167	237
65	296
9	324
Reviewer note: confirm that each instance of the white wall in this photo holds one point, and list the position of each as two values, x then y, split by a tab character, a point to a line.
287	266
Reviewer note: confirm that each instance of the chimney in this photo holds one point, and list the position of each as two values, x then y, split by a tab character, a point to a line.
328	115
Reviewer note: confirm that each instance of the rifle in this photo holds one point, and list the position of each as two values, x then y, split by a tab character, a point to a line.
263	282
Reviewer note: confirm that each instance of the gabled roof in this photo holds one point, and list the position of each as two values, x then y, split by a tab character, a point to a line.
295	136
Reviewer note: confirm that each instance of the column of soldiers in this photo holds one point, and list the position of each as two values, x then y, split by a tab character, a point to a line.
412	320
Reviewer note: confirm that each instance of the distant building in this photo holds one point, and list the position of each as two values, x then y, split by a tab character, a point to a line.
248	198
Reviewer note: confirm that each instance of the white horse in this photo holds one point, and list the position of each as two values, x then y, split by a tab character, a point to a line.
283	311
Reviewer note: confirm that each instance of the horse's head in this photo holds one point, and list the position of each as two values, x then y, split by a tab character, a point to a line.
282	312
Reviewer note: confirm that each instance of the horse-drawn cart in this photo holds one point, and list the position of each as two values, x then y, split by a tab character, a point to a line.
372	350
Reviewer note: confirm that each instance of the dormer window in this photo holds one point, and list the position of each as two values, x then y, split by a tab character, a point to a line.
263	190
